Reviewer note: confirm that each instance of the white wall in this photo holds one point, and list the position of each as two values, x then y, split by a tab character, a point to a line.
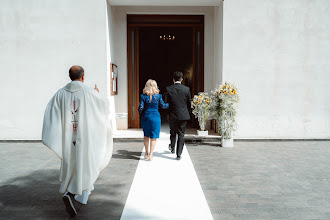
218	40
39	42
120	48
119	57
111	41
278	53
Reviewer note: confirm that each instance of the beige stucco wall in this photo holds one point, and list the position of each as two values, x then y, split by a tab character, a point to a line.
39	42
110	43
278	53
218	44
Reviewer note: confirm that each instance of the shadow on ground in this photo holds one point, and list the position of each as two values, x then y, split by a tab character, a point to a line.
36	195
128	155
166	155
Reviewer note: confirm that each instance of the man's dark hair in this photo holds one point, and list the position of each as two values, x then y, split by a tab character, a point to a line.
177	75
76	72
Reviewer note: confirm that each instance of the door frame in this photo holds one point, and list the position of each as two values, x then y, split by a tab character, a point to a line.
134	22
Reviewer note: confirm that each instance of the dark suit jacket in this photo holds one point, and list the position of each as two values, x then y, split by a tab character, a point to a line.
179	98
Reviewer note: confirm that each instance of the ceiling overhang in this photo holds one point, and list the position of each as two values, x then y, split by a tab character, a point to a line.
164	2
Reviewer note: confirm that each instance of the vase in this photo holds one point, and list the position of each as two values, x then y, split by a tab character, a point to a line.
201	123
227	142
202	133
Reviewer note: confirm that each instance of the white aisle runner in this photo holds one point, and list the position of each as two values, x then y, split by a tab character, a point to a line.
166	188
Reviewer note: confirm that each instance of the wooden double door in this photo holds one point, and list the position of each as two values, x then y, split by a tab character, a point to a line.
158	45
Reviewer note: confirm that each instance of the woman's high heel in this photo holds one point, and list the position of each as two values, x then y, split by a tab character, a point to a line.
146	157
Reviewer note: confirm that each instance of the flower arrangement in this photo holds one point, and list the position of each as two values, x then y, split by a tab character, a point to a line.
224	99
201	104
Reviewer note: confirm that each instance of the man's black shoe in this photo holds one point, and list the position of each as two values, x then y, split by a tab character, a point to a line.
170	148
178	157
68	200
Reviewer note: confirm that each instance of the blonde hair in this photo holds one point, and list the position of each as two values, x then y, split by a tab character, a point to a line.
151	87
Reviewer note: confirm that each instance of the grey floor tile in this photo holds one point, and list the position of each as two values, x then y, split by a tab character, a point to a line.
246	216
31	191
274	180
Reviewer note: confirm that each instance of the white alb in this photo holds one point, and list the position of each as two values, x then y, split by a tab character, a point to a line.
77	128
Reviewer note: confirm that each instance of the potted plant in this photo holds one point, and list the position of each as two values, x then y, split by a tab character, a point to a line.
224	99
201	109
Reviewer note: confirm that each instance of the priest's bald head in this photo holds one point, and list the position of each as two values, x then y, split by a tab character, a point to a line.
76	73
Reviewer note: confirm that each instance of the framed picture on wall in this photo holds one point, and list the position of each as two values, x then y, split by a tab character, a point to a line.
114	79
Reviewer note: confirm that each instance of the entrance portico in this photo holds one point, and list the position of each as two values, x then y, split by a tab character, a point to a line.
210	37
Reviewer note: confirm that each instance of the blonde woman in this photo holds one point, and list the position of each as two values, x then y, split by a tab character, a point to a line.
150	101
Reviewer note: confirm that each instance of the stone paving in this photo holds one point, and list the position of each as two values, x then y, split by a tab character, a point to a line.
253	180
29	185
265	180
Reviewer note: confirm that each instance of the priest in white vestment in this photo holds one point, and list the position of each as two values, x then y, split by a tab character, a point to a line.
77	128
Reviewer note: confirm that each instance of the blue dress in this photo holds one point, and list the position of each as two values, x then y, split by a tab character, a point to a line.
150	117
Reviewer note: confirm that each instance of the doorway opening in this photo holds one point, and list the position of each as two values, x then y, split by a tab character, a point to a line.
158	45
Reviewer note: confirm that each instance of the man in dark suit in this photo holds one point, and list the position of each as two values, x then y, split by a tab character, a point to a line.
179	98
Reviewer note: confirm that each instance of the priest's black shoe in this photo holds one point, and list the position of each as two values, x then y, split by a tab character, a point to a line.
178	157
170	148
68	200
